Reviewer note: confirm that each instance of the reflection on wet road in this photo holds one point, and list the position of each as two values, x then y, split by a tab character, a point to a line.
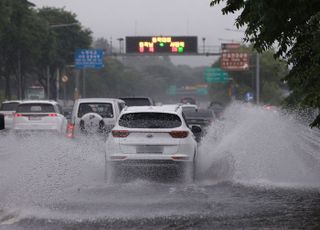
256	170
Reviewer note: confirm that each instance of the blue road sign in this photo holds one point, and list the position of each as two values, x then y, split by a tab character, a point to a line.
216	75
248	96
89	58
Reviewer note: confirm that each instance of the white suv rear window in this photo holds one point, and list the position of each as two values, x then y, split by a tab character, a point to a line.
35	108
10	106
105	110
150	120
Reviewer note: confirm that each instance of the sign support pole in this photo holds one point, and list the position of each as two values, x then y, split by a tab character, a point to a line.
257	78
76	89
48	82
83	82
58	84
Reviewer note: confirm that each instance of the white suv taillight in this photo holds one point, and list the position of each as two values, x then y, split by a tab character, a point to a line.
179	134
70	130
120	133
52	115
18	115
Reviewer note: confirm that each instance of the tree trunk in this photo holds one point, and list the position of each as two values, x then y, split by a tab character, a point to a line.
7	88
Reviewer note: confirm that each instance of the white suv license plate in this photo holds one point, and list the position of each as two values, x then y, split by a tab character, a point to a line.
34	118
156	149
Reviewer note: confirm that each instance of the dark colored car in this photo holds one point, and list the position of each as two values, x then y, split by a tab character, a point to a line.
188	100
202	118
138	101
1	121
217	108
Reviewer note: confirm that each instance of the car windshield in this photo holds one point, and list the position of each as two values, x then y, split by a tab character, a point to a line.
199	114
11	106
35	108
136	101
150	120
189	108
187	100
105	110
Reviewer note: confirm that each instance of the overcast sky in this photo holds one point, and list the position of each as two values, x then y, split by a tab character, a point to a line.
120	18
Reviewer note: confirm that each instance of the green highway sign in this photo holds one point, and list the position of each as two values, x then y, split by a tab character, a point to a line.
214	75
172	90
202	91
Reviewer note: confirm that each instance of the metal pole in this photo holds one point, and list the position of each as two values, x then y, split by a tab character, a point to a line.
48	82
257	78
58	84
111	46
204	44
65	94
19	76
84	83
76	94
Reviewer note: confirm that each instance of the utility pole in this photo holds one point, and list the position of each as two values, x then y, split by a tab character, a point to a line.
48	82
257	69
58	84
257	78
19	76
204	44
53	26
77	80
83	82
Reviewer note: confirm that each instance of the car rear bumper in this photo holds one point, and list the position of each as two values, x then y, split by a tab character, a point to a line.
29	132
8	122
165	169
148	163
165	163
149	157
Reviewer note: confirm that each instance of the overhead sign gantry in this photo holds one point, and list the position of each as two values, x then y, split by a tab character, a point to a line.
173	45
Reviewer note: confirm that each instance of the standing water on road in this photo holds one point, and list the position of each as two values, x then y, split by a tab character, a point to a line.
257	168
253	145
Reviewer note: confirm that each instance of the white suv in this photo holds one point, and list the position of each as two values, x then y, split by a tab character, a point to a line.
94	115
39	115
151	138
8	109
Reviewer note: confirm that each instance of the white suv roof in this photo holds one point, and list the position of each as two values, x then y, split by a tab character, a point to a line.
84	100
11	101
39	101
161	108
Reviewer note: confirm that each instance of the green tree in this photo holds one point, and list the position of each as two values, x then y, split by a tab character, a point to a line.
293	26
65	36
19	43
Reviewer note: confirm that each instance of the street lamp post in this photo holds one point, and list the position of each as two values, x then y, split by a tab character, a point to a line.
258	78
53	26
48	82
204	44
257	68
120	44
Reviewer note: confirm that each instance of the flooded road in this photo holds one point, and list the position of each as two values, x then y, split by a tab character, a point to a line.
256	169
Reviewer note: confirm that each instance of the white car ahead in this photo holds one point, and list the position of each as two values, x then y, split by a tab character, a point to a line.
151	138
39	115
94	115
8	109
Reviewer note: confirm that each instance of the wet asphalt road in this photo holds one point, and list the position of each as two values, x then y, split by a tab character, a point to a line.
257	170
159	206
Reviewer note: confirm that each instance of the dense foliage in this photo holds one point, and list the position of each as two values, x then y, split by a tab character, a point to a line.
32	49
293	27
36	43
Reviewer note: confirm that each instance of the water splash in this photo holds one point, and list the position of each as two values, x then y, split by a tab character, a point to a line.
256	146
53	177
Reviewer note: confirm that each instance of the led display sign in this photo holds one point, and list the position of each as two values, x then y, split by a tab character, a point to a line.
162	44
